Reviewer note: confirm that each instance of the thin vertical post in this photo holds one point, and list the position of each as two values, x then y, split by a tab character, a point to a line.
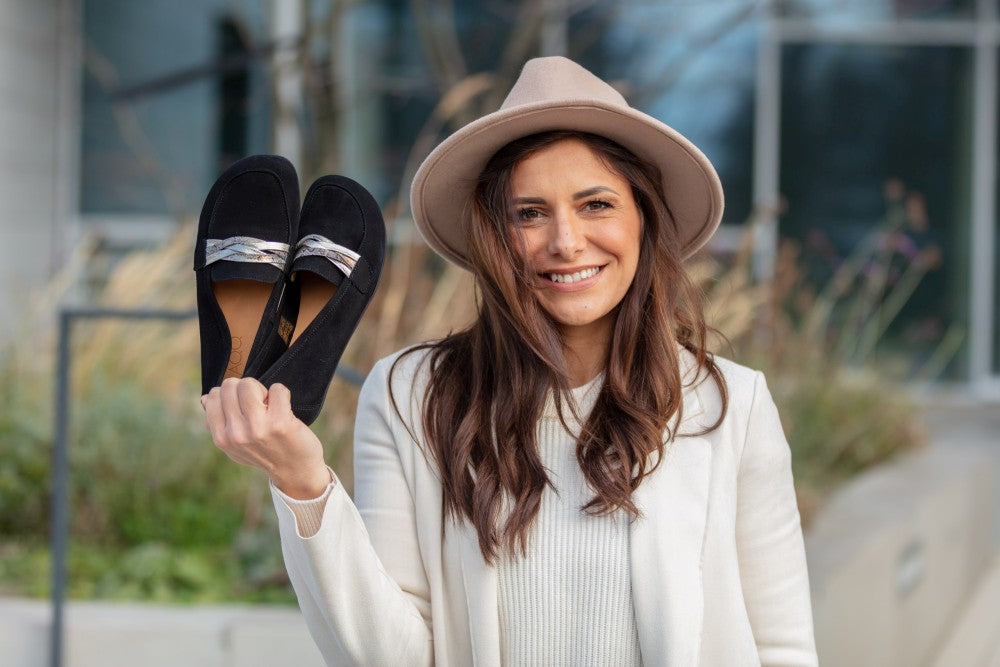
555	28
982	239
767	145
60	489
287	20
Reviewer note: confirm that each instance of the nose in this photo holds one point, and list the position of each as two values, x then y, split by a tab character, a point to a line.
566	238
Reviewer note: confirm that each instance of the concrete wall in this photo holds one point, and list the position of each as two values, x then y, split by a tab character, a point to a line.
897	556
37	157
128	634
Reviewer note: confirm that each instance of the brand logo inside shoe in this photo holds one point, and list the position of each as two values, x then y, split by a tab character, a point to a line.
285	329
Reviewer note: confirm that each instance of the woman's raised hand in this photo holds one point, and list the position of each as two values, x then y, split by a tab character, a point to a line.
255	426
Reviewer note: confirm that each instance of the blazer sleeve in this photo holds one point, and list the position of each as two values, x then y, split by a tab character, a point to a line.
769	540
360	583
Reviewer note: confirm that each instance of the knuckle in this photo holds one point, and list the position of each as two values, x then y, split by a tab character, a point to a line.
259	431
235	435
283	427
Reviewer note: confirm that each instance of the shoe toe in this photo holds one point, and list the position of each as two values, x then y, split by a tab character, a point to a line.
340	211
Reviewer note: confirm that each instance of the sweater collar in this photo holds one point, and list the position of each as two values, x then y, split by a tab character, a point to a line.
585	396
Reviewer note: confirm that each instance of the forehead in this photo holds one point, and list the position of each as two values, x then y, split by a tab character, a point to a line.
567	161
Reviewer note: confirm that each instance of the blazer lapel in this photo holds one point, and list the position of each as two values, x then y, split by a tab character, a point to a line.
480	581
666	547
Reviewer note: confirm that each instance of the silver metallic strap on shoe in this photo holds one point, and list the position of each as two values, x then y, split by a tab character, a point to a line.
320	246
246	249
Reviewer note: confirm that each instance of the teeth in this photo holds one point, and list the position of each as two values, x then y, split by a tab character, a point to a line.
573	277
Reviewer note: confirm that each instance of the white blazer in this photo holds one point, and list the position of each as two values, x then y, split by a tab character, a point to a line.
717	560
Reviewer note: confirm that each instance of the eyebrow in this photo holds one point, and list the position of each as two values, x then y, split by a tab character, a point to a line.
593	191
576	195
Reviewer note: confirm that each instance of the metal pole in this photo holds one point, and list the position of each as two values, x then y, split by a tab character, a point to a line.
555	28
60	489
982	239
767	149
287	26
60	451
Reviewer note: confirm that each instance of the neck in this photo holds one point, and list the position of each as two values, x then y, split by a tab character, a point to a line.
586	354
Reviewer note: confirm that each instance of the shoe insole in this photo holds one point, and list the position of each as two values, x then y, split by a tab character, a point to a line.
315	292
242	302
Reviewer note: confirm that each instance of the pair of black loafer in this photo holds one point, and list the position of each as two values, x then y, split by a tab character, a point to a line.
280	291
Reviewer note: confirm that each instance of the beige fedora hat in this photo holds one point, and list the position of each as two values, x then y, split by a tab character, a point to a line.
555	93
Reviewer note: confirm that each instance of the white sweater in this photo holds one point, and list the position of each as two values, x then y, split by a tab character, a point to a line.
569	601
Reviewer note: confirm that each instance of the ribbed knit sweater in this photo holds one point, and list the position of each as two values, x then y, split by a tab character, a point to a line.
569	600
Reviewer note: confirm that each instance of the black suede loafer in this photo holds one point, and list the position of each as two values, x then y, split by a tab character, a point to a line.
241	258
337	266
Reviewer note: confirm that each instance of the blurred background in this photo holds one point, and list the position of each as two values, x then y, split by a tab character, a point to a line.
857	266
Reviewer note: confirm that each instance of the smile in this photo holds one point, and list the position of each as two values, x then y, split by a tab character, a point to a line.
573	277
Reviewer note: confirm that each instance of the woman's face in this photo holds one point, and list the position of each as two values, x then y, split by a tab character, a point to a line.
581	229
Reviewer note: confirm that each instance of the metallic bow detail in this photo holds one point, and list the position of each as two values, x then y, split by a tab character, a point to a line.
246	249
320	246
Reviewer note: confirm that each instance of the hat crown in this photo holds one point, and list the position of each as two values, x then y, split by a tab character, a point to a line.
554	78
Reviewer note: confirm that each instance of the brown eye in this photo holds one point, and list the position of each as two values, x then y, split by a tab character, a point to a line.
597	205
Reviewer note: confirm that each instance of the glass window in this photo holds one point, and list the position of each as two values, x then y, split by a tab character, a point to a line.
169	98
693	66
878	10
875	169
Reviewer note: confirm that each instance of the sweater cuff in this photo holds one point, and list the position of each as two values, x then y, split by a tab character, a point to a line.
308	513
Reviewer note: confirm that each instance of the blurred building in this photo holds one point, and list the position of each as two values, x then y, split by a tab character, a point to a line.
827	119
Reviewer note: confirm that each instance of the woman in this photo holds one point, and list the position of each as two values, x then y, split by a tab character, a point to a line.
574	479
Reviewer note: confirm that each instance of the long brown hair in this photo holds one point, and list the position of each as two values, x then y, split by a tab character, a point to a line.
488	384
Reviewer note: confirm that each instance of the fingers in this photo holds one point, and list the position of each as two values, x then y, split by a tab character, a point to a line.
255	426
215	421
251	396
279	399
231	401
225	418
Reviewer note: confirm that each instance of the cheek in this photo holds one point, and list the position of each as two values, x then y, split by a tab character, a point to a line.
531	243
627	243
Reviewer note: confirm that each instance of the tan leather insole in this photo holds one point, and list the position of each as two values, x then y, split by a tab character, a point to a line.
242	302
315	293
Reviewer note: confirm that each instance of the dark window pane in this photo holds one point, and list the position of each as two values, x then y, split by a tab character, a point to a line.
875	150
160	112
878	10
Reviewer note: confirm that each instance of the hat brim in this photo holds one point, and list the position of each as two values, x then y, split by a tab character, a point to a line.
447	178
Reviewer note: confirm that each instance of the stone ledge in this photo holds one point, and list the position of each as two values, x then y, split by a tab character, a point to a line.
974	640
127	634
896	554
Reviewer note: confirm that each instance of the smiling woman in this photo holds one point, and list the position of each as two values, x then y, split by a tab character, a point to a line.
574	479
